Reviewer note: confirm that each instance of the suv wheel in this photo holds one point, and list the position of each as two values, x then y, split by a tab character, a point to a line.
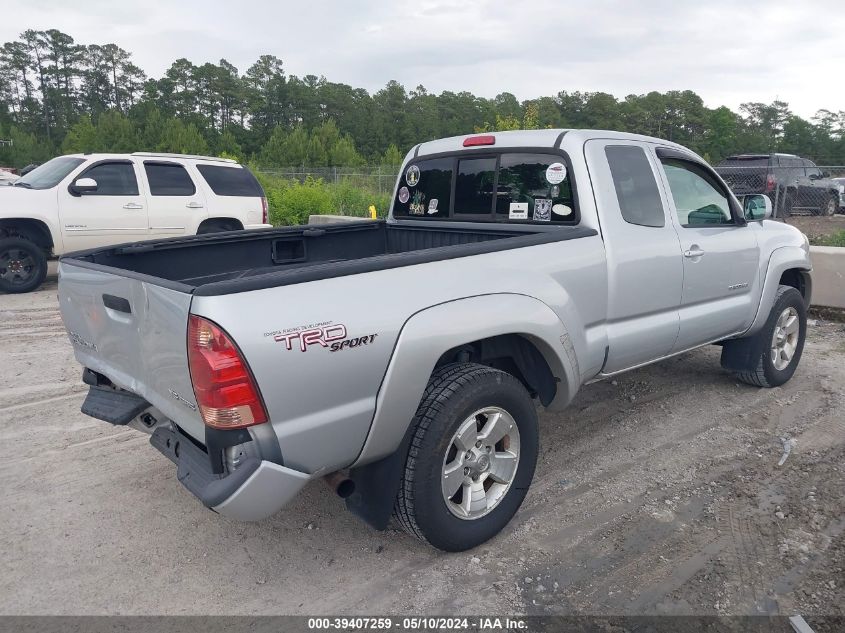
775	351
23	265
471	459
831	205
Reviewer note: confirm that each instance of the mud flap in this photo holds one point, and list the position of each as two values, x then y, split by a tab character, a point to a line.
376	486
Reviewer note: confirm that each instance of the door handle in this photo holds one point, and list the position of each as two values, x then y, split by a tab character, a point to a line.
133	205
693	252
194	205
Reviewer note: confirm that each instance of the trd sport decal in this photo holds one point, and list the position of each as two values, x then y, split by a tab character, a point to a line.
330	335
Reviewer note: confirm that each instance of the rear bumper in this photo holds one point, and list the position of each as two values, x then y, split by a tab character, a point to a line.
256	490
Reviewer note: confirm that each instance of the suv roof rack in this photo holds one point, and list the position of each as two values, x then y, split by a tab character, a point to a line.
193	156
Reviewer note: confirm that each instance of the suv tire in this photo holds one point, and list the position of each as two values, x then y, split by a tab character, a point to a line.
831	205
456	432
770	357
23	265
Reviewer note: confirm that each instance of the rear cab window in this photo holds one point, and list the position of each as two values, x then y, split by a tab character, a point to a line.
230	181
507	187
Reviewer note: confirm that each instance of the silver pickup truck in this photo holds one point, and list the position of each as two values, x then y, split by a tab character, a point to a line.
403	360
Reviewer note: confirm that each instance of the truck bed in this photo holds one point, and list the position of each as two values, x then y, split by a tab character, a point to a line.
225	263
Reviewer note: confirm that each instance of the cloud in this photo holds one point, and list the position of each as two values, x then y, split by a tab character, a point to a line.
727	52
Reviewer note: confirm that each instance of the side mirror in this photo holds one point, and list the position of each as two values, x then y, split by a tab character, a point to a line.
814	176
756	207
825	174
83	186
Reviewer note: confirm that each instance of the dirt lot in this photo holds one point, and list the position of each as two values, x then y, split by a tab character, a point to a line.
655	493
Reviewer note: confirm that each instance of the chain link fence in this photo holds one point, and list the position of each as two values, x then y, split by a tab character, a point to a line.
794	189
377	179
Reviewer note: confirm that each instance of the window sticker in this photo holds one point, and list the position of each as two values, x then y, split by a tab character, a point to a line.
542	209
412	176
404	195
556	173
417	206
518	211
562	209
432	206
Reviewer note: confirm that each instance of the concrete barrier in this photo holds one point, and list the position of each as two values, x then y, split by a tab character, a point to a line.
828	276
330	219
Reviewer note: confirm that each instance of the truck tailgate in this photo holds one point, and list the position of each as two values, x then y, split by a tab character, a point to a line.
134	333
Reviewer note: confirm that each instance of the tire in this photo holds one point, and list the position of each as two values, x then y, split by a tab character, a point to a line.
830	206
760	368
788	203
216	227
454	393
23	265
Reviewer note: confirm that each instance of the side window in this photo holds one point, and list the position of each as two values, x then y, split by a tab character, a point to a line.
113	179
636	188
812	170
169	179
534	187
425	189
699	201
474	186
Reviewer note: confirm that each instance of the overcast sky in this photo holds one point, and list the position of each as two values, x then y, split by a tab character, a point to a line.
727	51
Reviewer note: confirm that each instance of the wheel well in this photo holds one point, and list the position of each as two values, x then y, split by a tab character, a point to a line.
33	230
513	354
221	222
795	278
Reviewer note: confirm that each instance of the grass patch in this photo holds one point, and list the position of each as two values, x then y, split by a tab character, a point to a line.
834	239
291	202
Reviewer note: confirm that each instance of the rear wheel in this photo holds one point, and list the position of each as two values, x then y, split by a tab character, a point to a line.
471	459
23	265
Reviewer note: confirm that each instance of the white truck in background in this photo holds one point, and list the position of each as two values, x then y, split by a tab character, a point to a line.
78	202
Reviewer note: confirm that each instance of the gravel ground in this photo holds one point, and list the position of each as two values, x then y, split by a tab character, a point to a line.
656	493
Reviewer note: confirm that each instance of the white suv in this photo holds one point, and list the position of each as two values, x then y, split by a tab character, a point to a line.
77	202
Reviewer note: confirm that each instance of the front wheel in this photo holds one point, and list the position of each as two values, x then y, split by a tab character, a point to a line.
471	459
23	265
775	351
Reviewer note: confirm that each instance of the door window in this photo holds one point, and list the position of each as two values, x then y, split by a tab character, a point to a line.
699	200
636	188
169	179
812	170
113	179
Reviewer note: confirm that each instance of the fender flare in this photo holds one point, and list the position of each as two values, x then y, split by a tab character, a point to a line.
782	259
428	334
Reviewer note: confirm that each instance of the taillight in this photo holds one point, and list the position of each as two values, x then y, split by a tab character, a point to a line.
264	216
770	182
225	390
